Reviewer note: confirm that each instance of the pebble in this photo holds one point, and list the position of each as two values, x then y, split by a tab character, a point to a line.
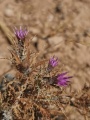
25	17
55	40
9	12
42	45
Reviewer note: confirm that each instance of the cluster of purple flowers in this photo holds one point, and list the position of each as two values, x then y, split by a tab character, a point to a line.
60	79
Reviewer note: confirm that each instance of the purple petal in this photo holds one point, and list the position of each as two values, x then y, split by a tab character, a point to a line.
62	79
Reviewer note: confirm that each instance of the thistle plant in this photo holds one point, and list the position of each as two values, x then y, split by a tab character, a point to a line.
36	90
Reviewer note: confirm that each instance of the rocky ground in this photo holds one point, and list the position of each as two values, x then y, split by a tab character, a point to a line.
60	27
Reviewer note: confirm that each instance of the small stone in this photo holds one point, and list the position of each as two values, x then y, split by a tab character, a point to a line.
9	12
35	39
35	31
55	40
25	17
42	45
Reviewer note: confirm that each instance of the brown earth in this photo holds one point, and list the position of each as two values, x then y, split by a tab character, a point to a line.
62	28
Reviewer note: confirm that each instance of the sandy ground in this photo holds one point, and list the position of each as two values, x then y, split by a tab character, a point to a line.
55	23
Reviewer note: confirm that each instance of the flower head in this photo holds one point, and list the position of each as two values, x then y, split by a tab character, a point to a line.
63	80
53	62
20	33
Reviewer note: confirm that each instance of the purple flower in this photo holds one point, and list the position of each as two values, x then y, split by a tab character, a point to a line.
53	62
20	33
63	80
